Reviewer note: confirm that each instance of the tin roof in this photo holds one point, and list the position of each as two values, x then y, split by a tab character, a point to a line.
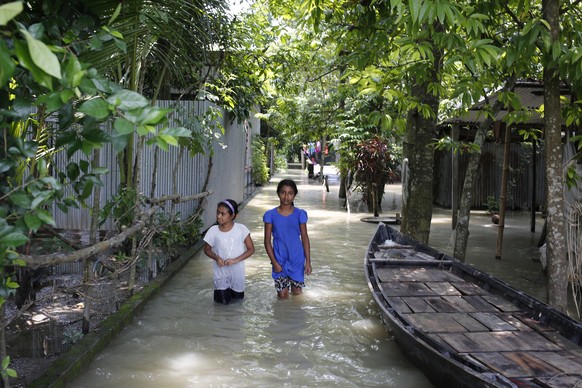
531	94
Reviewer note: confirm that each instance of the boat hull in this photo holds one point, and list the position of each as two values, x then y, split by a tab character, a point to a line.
450	338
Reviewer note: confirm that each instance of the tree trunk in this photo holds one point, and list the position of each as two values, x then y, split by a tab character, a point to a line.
464	214
93	238
417	199
138	213
503	192
556	237
3	354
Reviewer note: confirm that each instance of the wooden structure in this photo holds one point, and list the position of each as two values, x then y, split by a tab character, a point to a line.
464	328
522	158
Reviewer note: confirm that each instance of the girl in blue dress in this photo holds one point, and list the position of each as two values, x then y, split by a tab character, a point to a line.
287	242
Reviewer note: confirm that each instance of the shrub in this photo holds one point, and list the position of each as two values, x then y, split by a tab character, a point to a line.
260	168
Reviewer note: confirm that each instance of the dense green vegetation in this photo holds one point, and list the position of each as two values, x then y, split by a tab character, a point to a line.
394	69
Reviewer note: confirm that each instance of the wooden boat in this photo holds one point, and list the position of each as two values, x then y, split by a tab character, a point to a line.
465	328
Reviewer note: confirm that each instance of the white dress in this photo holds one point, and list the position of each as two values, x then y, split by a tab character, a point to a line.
228	245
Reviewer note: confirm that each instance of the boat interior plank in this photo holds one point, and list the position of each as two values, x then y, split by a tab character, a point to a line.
398	304
561	341
531	322
514	321
538	341
417	289
442	276
492	321
435	323
405	274
515	364
393	290
414	274
560	381
460	303
501	303
537	366
567	364
418	305
464	343
469	288
516	341
480	304
443	288
501	341
441	305
468	322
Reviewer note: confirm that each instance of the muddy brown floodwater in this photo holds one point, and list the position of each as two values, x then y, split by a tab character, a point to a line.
331	335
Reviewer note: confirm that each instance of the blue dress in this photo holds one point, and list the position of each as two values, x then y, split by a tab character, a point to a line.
287	244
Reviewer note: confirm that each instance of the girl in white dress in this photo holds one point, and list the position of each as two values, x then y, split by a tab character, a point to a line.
228	244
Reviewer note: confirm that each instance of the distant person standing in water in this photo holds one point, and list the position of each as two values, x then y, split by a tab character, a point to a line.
228	244
287	242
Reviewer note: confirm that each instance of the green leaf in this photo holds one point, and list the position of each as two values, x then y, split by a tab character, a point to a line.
143	130
84	166
8	12
52	101
153	115
26	61
20	199
7	65
32	221
12	285
556	50
40	199
45	216
14	239
123	126
73	171
128	100
5	165
115	14
177	132
88	86
95	107
119	142
100	171
74	72
414	9
42	56
171	140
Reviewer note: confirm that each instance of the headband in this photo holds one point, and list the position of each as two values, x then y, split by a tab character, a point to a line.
229	205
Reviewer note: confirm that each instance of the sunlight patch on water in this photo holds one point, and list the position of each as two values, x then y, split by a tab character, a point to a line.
186	362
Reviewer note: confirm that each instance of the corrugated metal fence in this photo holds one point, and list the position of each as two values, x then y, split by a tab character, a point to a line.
489	174
190	172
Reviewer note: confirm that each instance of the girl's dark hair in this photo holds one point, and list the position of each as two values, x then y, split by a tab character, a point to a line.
287	182
230	205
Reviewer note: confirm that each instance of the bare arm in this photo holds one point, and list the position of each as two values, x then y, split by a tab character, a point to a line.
269	248
208	251
306	247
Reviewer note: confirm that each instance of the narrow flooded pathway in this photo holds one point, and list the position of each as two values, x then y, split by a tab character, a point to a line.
329	336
